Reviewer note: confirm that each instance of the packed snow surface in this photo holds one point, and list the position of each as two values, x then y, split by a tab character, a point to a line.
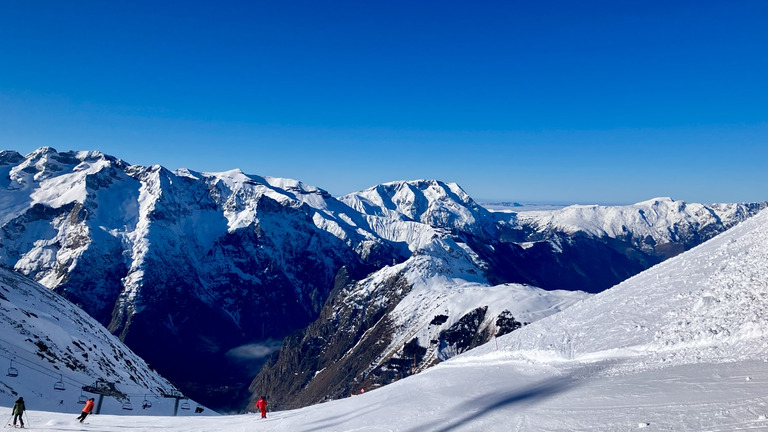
680	347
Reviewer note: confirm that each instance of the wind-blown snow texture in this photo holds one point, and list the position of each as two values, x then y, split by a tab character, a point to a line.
147	252
678	347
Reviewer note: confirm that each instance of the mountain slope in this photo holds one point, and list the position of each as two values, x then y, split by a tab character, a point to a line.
398	322
680	346
50	349
706	305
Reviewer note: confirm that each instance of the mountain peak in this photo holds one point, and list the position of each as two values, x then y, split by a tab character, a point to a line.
8	157
656	201
45	150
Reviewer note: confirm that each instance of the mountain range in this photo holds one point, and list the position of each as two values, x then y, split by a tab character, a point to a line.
204	275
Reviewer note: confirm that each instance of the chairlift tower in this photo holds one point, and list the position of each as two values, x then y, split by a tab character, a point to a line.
177	396
102	389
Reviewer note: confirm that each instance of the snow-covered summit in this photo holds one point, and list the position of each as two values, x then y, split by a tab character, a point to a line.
431	202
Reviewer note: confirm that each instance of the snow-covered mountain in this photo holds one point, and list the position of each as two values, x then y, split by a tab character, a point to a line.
681	346
660	226
441	301
589	248
50	349
149	252
398	322
678	347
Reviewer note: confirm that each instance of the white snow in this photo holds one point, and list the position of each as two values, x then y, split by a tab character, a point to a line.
657	218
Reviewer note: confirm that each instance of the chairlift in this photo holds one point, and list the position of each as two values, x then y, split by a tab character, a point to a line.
146	403
185	405
127	405
59	385
83	398
12	371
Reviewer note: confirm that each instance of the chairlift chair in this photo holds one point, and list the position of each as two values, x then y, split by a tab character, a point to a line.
146	403
12	371
185	405
127	405
59	385
83	398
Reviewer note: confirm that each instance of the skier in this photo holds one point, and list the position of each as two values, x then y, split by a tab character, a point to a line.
261	404
18	411
87	409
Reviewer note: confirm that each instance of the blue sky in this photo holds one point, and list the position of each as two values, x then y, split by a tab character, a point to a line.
535	101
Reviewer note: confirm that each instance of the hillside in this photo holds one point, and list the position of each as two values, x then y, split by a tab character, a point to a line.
51	349
399	322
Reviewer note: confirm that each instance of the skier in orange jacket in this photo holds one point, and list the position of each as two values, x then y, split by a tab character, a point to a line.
87	409
261	404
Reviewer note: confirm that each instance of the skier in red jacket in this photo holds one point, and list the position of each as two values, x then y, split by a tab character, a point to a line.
87	409
261	404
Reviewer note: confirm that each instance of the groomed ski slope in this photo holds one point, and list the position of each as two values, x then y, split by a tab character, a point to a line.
681	347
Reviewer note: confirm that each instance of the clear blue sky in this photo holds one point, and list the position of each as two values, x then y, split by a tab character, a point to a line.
535	101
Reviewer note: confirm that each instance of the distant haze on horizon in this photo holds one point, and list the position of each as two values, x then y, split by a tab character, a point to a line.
540	102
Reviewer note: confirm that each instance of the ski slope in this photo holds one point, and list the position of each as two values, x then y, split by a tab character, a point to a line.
501	396
680	347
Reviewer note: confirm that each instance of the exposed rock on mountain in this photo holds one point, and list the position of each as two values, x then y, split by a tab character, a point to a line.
201	273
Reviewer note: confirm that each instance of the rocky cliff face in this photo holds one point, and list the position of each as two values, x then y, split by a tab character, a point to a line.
397	322
202	274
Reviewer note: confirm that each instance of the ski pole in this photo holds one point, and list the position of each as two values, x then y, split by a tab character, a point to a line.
27	417
8	423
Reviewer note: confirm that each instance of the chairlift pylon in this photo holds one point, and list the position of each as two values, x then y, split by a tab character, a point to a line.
12	371
59	385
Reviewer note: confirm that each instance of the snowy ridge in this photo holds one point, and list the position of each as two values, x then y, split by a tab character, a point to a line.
450	284
706	305
48	342
663	220
453	294
434	203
